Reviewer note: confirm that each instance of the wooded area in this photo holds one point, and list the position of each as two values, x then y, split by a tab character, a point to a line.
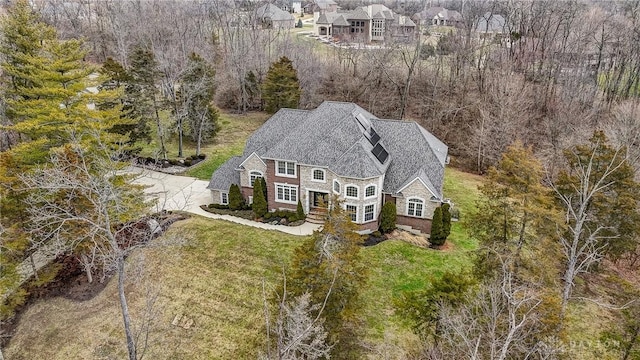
548	110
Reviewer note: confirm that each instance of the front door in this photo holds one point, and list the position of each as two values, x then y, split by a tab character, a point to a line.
320	199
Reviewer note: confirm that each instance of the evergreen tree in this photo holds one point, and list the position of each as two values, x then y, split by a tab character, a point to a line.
446	220
263	182
328	266
141	93
437	238
388	217
236	201
24	34
259	202
300	211
513	214
196	94
117	79
281	88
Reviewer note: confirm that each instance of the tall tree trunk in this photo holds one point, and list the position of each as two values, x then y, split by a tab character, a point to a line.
33	267
163	149
131	345
87	268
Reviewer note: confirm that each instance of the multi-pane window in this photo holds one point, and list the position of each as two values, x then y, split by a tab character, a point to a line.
377	27
369	212
370	191
253	176
336	186
352	210
318	175
224	198
352	191
357	26
286	168
414	207
286	193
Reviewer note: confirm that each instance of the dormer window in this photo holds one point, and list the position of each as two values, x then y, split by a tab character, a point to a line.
286	168
352	191
318	175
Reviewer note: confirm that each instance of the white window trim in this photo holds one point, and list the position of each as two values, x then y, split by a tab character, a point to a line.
351	197
222	198
295	169
324	175
357	211
256	171
375	191
364	213
275	188
424	203
334	186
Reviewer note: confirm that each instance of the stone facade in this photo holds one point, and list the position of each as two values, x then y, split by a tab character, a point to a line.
418	190
252	163
215	197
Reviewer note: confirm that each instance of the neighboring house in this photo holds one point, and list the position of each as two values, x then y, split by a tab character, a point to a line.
364	24
321	6
291	6
340	149
272	17
489	25
438	16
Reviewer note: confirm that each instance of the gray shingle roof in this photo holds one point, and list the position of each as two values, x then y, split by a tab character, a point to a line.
272	131
340	21
491	23
323	137
226	175
412	149
273	13
330	136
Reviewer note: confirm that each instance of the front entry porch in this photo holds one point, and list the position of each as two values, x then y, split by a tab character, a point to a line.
318	203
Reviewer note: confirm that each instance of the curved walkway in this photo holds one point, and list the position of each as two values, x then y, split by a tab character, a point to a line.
185	193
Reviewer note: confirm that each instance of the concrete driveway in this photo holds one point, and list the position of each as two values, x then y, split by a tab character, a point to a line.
184	193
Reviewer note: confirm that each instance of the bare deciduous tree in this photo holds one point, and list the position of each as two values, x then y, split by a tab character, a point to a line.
83	201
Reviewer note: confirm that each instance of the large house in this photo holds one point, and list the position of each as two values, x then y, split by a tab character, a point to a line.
272	17
438	16
341	150
364	24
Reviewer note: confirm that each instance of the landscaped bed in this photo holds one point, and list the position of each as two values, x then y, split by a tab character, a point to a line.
280	217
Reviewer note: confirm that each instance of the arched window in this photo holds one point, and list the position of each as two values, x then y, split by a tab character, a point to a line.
318	175
253	175
352	191
336	186
370	191
414	207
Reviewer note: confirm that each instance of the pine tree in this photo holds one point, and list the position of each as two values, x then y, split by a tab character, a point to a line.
300	211
446	220
514	212
281	88
263	182
329	267
24	34
259	205
437	237
116	79
236	201
388	217
195	96
141	93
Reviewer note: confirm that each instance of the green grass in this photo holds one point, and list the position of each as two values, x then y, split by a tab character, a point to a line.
216	280
234	129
